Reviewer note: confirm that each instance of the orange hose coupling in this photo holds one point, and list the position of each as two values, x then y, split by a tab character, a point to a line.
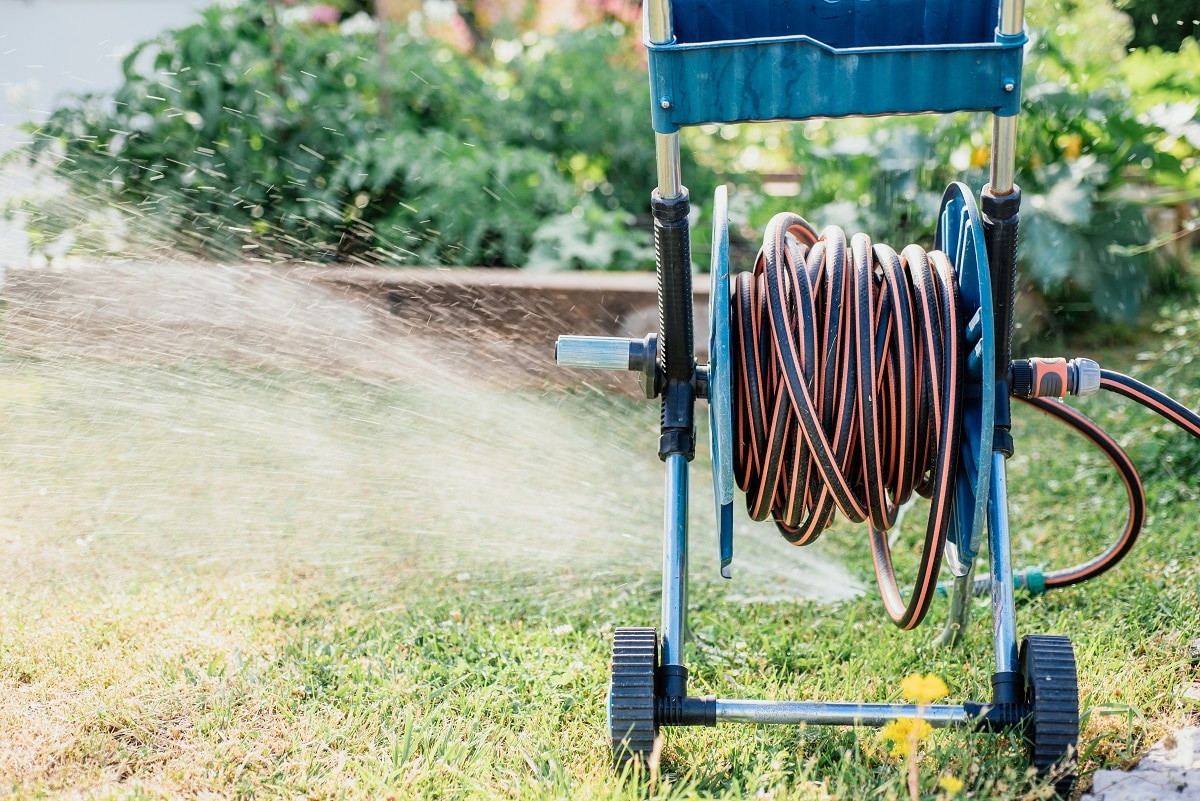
1053	378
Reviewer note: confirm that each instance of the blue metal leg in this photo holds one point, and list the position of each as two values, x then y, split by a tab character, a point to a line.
674	589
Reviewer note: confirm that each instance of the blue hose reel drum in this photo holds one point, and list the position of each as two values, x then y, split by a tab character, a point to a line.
959	235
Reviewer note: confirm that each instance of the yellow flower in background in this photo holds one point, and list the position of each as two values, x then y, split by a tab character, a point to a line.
1072	146
904	734
951	784
923	689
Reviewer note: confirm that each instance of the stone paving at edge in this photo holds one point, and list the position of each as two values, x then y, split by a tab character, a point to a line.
1169	770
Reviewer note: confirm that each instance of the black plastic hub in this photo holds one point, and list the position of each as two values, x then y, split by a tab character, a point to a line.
994	717
678	431
631	701
1047	663
690	710
1008	689
1007	708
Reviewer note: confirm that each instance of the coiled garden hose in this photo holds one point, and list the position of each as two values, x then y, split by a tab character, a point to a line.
848	371
847	378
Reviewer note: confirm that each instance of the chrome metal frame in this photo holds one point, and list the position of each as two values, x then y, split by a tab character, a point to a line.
1004	615
666	146
675	561
1004	129
1004	612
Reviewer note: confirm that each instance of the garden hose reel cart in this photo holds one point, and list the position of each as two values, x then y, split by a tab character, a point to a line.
732	61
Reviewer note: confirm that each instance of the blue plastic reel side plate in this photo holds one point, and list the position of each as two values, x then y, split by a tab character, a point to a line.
959	235
720	387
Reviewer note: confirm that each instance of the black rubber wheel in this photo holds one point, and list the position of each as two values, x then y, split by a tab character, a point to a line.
631	695
1047	663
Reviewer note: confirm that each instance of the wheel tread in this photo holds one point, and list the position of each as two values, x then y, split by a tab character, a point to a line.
1047	663
632	728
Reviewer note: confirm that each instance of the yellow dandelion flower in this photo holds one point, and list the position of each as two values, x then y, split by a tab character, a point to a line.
904	734
951	784
923	689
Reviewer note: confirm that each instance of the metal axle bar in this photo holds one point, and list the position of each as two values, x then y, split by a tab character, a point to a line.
836	713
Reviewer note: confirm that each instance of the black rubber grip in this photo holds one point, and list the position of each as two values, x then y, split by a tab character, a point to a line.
672	247
1000	219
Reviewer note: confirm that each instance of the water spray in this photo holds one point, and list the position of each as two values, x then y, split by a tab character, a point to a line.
844	375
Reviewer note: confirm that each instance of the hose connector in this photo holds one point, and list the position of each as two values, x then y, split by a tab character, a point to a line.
614	353
1053	378
1087	377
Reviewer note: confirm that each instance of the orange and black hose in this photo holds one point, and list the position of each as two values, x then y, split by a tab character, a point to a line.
848	380
1155	401
1133	487
1152	399
848	376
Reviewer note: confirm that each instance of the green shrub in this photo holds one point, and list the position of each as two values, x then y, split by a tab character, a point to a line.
235	138
233	145
1165	24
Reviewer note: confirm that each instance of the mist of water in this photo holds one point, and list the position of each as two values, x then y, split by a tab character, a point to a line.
166	417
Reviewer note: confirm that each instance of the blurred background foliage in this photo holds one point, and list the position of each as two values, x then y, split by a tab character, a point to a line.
1162	23
516	133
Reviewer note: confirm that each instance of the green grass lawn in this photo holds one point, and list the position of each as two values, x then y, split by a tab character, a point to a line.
234	582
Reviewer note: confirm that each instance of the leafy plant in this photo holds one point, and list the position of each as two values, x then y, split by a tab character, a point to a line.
569	242
245	135
1162	87
1162	23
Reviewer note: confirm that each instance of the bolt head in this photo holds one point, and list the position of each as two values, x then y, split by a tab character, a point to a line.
665	103
1009	86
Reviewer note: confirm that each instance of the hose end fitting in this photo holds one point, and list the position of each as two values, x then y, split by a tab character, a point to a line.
1053	378
1087	377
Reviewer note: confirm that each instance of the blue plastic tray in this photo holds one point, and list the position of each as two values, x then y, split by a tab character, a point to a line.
746	60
